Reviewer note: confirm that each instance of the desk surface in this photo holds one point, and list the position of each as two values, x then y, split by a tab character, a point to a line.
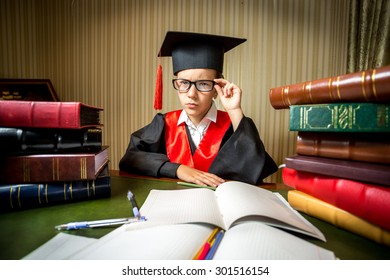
23	231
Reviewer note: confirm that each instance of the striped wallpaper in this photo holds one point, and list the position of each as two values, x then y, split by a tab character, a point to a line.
104	53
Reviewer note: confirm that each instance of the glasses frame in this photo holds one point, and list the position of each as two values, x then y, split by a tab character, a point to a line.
192	83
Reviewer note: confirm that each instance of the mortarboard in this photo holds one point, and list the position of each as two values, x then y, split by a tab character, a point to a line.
193	51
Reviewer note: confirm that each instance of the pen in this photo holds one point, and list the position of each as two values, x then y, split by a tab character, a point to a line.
194	185
98	223
130	197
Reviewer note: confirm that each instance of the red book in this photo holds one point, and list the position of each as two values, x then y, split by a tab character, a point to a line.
367	201
365	86
373	173
41	114
39	168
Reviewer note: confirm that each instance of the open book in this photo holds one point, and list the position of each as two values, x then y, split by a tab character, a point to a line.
231	203
180	221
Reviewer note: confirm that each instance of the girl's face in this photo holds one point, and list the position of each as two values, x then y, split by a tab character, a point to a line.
194	102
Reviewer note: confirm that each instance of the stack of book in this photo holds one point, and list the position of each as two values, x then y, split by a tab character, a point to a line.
50	153
341	172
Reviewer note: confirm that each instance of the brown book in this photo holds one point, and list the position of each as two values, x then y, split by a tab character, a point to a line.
368	147
365	86
39	168
373	173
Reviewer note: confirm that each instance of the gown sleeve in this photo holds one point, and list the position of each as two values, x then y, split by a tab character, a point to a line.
146	153
242	156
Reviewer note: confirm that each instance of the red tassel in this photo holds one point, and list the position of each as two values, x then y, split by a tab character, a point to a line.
159	89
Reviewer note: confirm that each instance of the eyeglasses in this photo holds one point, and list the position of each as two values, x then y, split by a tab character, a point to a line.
183	85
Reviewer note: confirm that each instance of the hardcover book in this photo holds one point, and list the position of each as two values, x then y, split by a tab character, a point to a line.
19	141
246	241
365	86
40	168
357	146
341	117
338	217
28	89
42	114
25	196
367	201
257	223
368	172
216	208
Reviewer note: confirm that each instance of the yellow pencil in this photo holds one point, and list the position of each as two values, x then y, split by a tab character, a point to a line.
215	231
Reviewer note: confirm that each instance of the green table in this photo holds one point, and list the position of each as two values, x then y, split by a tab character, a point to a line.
23	231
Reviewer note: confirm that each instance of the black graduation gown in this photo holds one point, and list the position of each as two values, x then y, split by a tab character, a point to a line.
241	157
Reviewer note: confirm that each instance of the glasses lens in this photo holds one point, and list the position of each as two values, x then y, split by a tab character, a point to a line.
181	85
204	85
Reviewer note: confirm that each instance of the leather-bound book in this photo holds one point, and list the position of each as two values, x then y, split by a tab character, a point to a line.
25	196
329	213
19	141
341	117
368	172
368	147
367	201
38	168
42	114
365	86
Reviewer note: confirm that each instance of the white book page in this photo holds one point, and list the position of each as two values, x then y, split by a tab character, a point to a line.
255	241
60	247
238	200
166	242
182	206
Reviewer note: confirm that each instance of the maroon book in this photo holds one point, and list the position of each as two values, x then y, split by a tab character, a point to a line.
347	169
45	114
40	168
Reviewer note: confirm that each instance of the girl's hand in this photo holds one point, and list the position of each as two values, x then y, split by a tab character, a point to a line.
230	96
192	175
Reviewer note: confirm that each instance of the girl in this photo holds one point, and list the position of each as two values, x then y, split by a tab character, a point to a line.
200	144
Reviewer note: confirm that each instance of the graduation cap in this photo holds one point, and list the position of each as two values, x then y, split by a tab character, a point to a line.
193	51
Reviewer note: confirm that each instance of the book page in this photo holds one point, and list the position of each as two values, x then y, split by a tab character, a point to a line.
239	200
60	247
255	240
182	206
166	242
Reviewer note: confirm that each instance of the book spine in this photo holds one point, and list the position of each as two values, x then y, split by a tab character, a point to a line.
38	114
341	117
48	168
349	146
338	217
24	196
367	201
15	141
368	172
365	86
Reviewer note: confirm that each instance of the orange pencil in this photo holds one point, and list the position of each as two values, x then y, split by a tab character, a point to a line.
207	244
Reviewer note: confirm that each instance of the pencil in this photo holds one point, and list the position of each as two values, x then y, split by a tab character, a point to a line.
215	245
185	184
208	241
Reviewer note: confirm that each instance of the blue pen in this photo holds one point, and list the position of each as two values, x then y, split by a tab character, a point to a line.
214	248
130	197
99	223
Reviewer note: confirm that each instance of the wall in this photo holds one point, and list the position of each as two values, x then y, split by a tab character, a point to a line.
104	53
